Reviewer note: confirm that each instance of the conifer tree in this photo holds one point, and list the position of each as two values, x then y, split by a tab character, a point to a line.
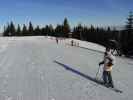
51	30
30	29
18	32
37	31
6	30
12	29
24	30
59	31
127	36
66	28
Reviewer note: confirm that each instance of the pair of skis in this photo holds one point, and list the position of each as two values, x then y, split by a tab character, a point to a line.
113	89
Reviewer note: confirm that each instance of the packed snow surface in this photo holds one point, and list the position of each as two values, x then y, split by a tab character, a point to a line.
33	68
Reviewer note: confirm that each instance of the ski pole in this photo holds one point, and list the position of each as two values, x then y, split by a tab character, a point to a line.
97	72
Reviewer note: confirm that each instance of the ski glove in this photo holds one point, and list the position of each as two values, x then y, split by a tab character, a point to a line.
101	63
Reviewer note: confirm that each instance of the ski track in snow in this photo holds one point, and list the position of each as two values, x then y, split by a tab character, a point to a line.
28	71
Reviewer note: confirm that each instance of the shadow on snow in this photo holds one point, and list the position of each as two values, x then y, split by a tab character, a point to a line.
85	76
78	72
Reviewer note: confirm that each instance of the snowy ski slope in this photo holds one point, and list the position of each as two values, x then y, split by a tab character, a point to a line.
29	71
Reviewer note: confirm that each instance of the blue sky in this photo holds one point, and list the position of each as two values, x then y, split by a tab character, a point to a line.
42	12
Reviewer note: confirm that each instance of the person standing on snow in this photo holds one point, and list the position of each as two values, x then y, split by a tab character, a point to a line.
57	40
108	62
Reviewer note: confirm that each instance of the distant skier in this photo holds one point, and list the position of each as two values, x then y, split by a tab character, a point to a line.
72	42
57	40
108	62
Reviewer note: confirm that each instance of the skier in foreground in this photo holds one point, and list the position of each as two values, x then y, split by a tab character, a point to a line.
108	62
